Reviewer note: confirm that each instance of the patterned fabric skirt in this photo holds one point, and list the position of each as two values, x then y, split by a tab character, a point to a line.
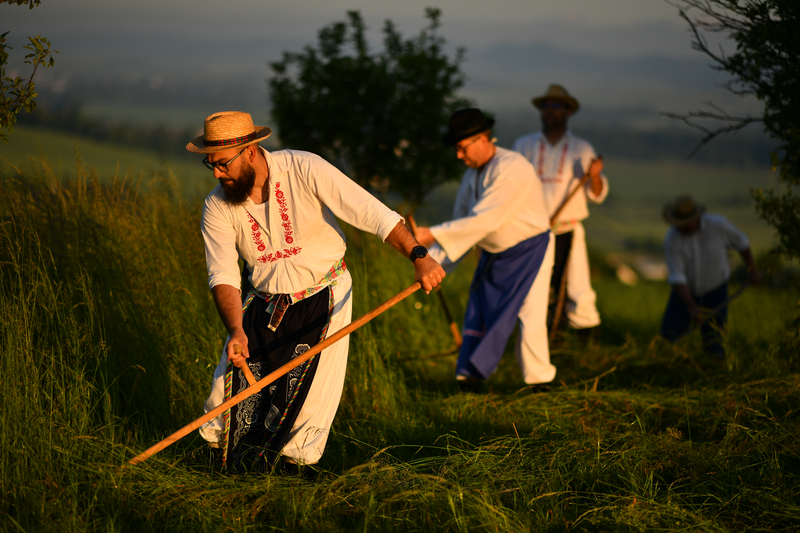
257	428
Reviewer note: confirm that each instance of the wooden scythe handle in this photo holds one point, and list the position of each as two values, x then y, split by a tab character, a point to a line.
454	331
412	224
251	379
268	379
583	181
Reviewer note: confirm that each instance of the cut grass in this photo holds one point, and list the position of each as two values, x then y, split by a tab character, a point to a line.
109	338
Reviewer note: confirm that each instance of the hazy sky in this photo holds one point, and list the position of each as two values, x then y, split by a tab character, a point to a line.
600	26
613	54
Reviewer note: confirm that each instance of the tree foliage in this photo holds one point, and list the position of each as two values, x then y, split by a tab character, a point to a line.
380	117
765	64
31	3
17	93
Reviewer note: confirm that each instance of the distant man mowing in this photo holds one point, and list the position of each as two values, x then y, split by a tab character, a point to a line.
561	161
500	209
275	212
696	249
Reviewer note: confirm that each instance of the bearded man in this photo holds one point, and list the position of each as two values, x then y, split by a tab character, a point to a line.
561	160
500	209
275	211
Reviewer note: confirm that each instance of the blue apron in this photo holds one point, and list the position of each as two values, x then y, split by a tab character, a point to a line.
499	287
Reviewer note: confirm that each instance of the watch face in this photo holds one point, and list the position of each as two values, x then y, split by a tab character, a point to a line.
418	252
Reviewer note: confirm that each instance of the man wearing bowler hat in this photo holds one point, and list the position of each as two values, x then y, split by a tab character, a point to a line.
561	160
275	211
696	250
500	209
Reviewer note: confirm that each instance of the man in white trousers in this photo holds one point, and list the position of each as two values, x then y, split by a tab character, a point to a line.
275	211
561	159
500	209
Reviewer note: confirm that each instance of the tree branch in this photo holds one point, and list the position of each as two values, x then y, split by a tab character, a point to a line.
733	124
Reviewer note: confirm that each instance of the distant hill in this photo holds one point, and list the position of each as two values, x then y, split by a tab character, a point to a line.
612	140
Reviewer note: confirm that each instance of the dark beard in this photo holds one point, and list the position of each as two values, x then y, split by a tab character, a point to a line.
236	191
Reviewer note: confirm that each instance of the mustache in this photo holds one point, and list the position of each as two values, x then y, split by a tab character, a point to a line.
238	190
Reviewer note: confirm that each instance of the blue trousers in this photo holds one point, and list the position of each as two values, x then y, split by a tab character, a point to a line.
677	320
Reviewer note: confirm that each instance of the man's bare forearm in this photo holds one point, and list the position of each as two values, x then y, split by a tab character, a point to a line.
595	181
402	239
229	307
426	270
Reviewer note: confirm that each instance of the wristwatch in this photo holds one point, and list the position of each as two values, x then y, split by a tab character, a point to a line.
418	252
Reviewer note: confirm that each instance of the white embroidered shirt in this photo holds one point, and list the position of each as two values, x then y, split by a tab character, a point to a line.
497	207
292	240
560	168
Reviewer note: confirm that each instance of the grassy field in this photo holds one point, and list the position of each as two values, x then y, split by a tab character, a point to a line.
109	337
59	154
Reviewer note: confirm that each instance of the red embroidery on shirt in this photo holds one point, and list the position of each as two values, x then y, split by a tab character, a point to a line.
287	233
283	254
540	162
256	234
284	210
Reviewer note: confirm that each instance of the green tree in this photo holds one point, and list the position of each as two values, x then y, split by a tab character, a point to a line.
17	93
380	117
765	64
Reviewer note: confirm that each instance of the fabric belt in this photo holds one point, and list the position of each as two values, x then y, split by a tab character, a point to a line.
565	226
277	304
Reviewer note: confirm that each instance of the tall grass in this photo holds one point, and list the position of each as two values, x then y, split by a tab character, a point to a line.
109	338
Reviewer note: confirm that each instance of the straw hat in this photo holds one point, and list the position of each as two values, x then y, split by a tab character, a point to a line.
228	129
557	92
682	211
466	123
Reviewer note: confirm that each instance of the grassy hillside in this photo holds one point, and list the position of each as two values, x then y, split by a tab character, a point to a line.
62	152
109	337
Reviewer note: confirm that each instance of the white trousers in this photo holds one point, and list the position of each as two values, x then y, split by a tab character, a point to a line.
581	304
533	350
310	431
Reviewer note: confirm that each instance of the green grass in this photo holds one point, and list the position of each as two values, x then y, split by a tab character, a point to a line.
56	153
109	337
632	212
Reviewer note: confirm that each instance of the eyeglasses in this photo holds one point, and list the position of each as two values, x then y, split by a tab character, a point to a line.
463	148
552	105
223	167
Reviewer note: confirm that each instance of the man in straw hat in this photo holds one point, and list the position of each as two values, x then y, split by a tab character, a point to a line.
499	208
276	212
696	249
561	160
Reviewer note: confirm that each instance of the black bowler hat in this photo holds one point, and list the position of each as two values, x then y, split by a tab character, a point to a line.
466	123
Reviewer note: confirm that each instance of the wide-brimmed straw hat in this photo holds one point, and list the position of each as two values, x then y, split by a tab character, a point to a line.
466	123
557	92
228	129
682	211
